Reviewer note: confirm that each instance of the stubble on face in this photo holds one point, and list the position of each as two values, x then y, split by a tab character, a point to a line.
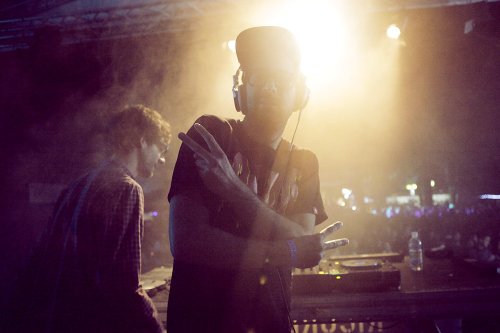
146	162
270	111
270	103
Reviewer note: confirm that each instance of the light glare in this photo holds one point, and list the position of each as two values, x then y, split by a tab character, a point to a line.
323	36
346	193
231	45
412	188
393	32
490	196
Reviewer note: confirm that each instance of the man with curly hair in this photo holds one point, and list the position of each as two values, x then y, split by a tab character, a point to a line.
85	270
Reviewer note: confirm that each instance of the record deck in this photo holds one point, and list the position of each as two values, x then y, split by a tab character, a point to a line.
355	275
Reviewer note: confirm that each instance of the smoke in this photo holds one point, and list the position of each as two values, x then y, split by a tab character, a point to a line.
379	110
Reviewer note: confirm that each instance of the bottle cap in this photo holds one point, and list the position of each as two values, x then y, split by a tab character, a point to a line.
414	234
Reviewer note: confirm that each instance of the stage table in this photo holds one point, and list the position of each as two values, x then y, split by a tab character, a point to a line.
444	289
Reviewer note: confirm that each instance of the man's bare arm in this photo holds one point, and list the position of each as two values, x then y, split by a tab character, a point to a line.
193	239
218	175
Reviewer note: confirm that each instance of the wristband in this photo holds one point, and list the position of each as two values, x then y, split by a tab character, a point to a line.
293	251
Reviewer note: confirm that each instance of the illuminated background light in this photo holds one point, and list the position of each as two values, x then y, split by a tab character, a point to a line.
412	188
346	193
231	45
393	31
490	196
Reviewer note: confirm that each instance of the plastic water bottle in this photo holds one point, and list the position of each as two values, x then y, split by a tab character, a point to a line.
415	252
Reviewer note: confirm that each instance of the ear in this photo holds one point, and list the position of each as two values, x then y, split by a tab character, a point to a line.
143	143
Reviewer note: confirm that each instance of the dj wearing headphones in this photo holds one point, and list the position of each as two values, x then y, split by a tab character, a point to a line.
244	201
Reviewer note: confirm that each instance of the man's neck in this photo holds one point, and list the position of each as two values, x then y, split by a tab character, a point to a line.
270	139
129	160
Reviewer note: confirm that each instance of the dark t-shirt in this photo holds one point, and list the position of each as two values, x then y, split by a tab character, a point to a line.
235	299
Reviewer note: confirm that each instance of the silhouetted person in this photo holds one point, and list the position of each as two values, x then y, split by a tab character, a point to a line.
84	275
244	201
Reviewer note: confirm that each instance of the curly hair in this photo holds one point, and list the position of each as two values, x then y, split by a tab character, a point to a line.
133	123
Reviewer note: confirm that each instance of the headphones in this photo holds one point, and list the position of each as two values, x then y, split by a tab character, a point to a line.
240	92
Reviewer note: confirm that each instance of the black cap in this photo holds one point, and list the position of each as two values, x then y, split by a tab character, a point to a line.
266	44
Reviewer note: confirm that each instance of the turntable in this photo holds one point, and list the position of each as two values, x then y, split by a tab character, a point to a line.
354	275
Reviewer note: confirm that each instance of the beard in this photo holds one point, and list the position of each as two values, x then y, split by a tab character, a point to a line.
268	117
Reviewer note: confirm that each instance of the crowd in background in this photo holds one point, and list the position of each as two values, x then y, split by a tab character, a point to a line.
464	232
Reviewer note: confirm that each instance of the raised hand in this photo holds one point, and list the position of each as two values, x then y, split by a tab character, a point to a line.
213	165
332	244
309	249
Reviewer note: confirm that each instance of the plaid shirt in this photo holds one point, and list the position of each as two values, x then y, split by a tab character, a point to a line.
89	259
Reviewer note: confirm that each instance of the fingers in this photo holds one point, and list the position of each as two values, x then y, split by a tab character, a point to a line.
202	164
333	244
331	229
209	139
194	146
213	146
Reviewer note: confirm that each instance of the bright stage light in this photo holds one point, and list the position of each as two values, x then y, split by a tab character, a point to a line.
490	196
412	188
393	32
346	193
231	45
322	33
348	69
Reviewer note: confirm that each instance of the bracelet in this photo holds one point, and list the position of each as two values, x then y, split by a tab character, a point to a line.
293	251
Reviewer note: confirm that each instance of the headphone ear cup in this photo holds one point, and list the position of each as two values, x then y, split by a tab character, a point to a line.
236	99
239	93
242	98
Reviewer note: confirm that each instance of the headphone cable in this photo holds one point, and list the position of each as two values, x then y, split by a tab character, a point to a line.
296	127
282	285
